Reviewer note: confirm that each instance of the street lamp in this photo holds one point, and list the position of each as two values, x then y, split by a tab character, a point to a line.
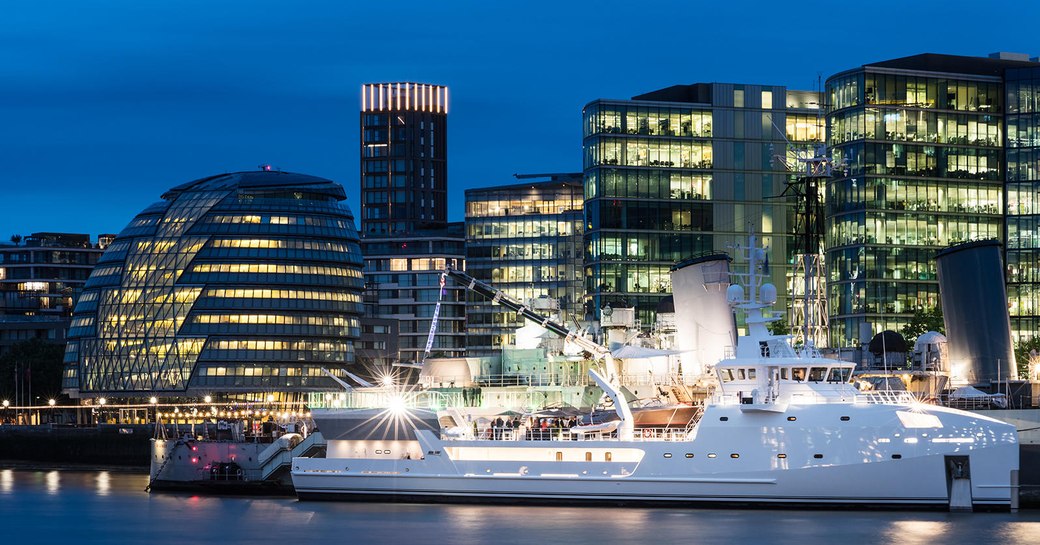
101	413
51	402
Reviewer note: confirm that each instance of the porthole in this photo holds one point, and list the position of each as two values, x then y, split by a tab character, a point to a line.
844	419
817	456
792	418
668	455
781	456
689	455
711	455
734	455
723	418
897	456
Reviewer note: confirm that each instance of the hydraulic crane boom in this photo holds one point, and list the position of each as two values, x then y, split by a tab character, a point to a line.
498	296
611	384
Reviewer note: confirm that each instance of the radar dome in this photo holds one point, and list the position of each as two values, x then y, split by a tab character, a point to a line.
735	294
768	293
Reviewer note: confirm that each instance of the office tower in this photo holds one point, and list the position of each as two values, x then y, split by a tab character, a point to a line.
404	157
923	141
525	239
1022	89
406	238
403	279
236	284
684	171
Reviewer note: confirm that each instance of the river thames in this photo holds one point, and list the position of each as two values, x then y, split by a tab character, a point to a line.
84	507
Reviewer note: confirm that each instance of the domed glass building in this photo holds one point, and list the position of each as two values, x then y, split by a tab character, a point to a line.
244	282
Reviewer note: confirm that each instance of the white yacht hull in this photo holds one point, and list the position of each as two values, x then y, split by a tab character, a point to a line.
738	456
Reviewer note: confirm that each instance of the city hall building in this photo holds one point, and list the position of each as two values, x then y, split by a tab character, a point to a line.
235	283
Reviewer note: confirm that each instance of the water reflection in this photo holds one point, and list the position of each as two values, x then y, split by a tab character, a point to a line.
103	483
112	508
53	480
916	532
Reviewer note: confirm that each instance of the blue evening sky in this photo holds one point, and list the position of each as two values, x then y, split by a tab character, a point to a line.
106	104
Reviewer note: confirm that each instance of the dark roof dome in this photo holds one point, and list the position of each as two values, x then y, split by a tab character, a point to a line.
261	180
887	341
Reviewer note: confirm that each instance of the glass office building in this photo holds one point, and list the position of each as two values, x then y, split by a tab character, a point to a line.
526	240
403	281
923	141
236	283
1022	92
685	171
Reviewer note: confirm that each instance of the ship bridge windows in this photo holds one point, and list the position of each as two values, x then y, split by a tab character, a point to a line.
798	374
840	374
817	374
739	373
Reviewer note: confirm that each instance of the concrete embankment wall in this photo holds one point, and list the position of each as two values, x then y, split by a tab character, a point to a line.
106	445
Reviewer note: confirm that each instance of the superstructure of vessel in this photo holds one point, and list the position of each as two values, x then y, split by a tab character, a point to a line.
784	426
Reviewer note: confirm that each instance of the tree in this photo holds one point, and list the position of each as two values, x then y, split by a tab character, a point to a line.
923	322
779	327
16	239
33	360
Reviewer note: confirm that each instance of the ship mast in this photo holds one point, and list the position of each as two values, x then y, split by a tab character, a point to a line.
810	167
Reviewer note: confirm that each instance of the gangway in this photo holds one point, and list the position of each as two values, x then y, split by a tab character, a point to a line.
291	445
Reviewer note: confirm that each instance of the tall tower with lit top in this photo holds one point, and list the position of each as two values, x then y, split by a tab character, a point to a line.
404	150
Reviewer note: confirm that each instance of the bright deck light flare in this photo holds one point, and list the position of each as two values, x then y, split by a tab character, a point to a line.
396	405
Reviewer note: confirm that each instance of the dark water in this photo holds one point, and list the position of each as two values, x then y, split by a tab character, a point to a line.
80	507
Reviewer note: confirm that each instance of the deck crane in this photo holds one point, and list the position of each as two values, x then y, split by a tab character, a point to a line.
609	380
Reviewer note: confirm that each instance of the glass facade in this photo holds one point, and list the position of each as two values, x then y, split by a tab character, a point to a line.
924	170
404	151
681	172
245	282
526	240
403	279
1023	201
